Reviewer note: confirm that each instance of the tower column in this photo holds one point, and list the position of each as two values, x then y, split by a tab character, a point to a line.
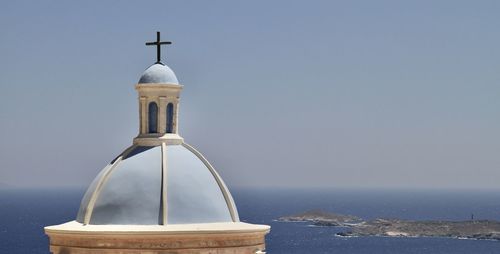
163	114
176	115
142	115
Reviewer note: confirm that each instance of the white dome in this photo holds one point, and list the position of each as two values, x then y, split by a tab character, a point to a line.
135	188
158	73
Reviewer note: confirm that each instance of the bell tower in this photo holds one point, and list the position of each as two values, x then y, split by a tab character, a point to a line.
159	93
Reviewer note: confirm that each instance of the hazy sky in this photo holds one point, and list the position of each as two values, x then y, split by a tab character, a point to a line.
288	94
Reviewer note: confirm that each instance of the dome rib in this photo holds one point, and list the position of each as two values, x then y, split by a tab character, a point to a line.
132	192
101	182
164	208
225	192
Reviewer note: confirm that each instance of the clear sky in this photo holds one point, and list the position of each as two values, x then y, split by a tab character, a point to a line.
276	93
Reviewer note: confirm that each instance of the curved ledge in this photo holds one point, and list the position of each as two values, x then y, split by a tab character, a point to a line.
158	85
158	139
74	227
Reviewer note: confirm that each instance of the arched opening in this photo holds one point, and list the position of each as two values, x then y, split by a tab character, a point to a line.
170	118
153	117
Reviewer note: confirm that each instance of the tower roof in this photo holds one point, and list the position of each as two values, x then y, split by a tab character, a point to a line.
158	73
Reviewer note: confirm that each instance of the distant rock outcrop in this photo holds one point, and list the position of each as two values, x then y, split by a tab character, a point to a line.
477	229
480	229
320	217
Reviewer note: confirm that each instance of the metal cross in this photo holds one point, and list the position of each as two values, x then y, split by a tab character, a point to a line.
158	44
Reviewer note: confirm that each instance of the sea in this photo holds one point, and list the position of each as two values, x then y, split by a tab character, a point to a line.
24	213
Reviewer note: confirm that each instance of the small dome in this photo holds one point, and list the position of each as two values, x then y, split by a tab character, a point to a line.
135	188
158	73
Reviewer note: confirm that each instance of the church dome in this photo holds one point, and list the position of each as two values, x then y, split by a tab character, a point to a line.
158	73
157	185
160	195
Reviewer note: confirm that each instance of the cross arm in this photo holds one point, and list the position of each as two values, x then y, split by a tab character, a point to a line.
156	43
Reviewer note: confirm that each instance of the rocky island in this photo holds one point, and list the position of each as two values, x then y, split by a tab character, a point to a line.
471	229
320	217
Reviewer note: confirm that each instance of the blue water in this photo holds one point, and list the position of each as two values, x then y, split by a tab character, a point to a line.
24	213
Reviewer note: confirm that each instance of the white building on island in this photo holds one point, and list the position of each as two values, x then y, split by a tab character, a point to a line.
160	195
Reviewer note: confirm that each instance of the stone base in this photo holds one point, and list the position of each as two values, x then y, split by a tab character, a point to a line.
207	238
